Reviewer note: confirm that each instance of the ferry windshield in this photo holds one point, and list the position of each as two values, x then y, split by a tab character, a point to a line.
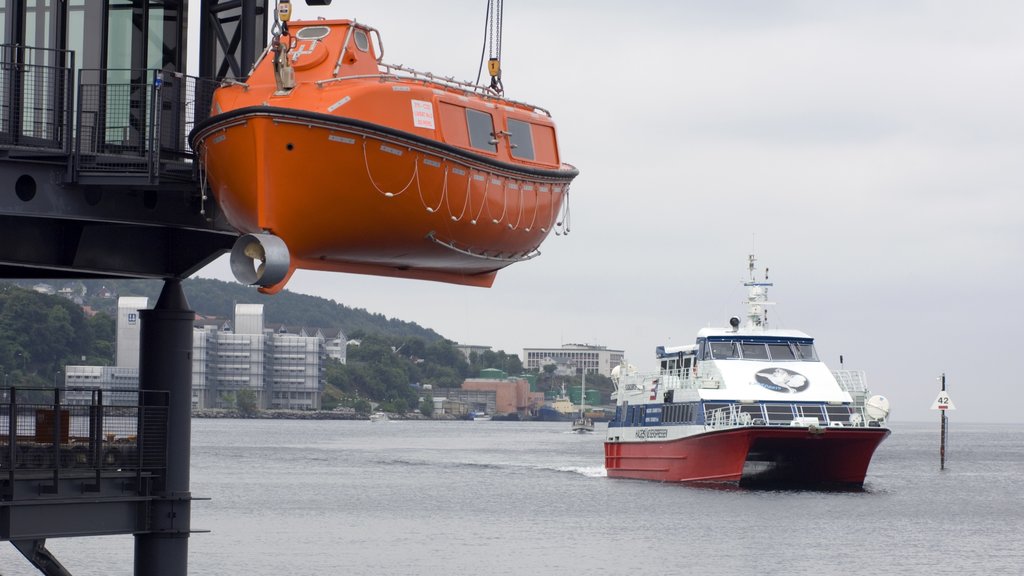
760	350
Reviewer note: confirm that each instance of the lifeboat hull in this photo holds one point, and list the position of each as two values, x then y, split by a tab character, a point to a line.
350	196
785	456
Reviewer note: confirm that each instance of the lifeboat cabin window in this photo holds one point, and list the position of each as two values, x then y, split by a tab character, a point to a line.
362	40
481	130
520	139
313	33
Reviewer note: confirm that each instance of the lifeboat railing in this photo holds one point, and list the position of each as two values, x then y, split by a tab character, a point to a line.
734	415
398	72
466	251
82	433
135	122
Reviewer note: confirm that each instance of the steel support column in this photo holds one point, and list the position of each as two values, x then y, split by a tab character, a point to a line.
36	552
165	364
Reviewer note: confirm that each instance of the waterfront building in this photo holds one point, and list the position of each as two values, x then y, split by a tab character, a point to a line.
282	369
572	358
468	349
511	394
124	374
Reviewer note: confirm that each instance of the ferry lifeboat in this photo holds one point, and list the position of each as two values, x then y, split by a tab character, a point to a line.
746	405
327	159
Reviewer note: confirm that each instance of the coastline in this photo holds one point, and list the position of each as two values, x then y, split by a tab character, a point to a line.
305	415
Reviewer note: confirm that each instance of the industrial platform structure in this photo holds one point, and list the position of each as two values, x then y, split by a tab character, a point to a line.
97	181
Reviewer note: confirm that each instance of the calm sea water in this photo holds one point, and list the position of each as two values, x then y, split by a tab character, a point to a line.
440	498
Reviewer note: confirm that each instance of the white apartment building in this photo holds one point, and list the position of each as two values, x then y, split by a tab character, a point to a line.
283	370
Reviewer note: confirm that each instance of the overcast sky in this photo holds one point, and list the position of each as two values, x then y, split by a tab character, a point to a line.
869	152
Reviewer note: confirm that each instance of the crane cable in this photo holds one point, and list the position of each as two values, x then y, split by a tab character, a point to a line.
492	45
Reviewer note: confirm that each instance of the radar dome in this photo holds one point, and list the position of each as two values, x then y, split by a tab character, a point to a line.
622	370
877	407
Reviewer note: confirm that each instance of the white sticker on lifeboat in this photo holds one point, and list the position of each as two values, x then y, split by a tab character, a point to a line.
422	114
338	104
782	380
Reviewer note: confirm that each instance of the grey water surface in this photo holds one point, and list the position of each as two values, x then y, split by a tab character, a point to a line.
438	498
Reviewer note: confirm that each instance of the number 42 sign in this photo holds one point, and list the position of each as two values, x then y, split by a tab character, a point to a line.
943	402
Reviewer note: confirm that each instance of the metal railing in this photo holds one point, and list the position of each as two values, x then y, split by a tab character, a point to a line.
36	97
119	430
729	415
853	381
138	121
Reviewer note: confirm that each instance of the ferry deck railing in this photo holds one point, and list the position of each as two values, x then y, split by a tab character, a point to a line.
82	432
728	415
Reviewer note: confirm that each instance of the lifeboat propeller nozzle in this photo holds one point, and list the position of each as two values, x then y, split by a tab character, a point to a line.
260	259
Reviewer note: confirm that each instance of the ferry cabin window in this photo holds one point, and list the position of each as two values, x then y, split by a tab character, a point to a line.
520	140
806	352
838	413
779	413
754	351
812	411
781	351
724	350
481	130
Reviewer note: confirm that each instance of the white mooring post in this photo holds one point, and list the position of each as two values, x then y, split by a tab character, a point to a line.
943	403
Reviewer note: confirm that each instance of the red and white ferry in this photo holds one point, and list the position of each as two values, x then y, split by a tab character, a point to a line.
745	404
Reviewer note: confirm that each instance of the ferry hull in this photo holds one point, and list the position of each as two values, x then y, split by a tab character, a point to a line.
788	456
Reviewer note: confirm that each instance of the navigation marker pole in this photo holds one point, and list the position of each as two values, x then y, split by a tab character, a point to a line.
943	403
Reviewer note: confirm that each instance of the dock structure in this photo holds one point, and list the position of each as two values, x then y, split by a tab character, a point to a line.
97	180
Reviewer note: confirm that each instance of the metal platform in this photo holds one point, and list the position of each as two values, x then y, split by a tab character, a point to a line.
97	181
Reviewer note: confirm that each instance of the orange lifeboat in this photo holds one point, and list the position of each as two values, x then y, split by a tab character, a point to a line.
327	159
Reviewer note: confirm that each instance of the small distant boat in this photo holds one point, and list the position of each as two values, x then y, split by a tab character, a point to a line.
583	423
379	417
561	409
325	158
746	404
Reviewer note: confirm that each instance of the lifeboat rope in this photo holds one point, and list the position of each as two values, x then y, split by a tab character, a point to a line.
504	203
444	190
369	175
487	184
536	207
563	225
465	203
519	219
202	180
